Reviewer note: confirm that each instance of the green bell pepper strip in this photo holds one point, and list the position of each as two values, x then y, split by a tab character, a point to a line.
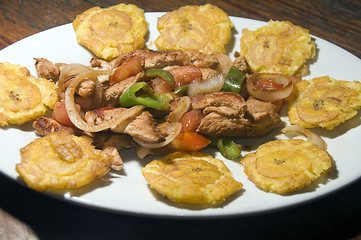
233	81
165	75
181	91
229	149
156	101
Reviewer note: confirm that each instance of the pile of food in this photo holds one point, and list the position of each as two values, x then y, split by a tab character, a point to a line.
175	101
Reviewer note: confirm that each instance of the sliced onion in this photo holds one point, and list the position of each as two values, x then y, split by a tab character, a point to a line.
182	107
173	129
311	136
269	95
79	122
68	70
209	85
75	69
225	63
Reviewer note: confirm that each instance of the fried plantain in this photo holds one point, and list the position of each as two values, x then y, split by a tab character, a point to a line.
280	47
323	102
110	32
191	178
61	161
283	166
204	28
22	96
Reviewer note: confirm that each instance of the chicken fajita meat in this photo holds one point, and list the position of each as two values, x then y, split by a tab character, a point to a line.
155	59
99	101
148	58
229	115
143	126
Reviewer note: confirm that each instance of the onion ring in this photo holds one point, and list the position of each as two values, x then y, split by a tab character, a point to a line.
79	122
269	95
73	70
311	136
68	70
177	126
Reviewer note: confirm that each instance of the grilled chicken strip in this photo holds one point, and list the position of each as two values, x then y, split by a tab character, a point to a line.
143	127
155	59
227	114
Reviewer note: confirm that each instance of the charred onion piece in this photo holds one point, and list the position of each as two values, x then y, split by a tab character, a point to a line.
276	86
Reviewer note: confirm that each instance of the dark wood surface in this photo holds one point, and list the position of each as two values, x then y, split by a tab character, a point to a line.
26	214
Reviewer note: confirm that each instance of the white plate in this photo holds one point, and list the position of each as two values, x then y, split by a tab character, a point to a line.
127	192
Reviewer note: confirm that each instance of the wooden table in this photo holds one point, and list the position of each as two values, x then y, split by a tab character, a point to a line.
25	214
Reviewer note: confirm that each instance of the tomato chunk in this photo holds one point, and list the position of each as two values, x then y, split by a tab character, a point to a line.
191	120
190	141
186	74
60	114
159	85
130	67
